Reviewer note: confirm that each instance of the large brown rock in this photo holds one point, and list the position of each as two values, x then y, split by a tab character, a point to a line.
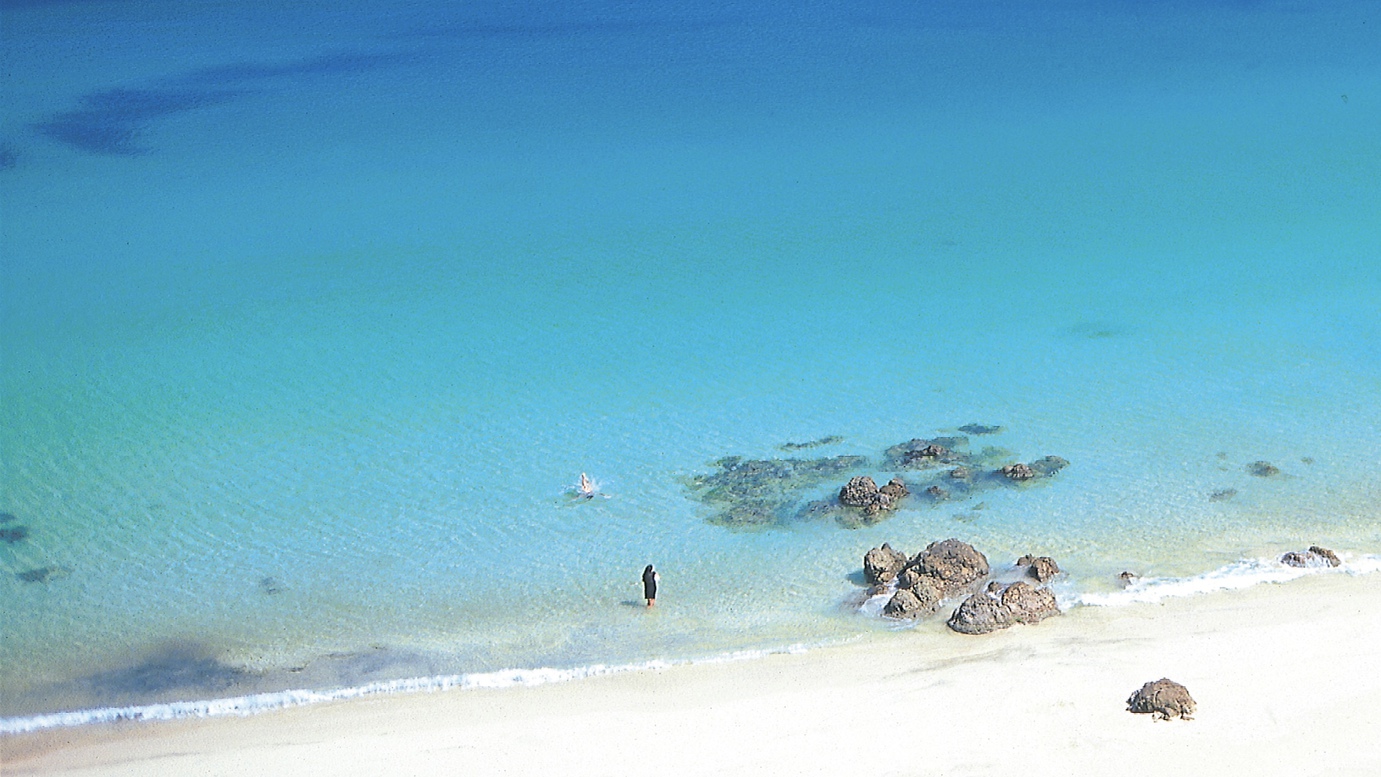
1163	699
999	607
954	565
915	602
859	492
1029	604
882	564
1017	471
980	614
895	488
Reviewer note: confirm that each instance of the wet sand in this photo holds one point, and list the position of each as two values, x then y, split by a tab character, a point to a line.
1284	676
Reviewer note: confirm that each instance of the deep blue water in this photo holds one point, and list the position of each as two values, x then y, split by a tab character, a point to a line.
312	314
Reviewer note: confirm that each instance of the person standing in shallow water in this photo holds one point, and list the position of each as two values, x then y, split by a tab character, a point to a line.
650	580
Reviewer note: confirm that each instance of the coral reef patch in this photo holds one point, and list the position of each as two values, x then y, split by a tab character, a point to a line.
764	493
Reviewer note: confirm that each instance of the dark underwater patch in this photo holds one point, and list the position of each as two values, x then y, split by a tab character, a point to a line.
42	574
180	668
980	429
109	121
832	439
12	534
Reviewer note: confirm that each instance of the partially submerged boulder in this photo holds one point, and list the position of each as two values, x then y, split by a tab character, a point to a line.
1314	557
921	453
1044	467
1017	472
881	565
1042	568
860	491
1000	607
981	613
955	566
1163	699
1029	604
920	600
895	488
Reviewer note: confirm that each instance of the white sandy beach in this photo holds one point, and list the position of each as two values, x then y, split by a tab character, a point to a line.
1285	677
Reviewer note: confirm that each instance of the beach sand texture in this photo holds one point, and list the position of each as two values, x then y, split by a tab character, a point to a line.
1284	676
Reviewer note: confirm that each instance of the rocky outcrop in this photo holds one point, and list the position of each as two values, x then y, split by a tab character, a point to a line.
1043	467
881	565
1042	568
955	566
864	493
999	607
1314	557
1029	604
895	488
1263	469
917	601
1163	699
859	492
1017	472
920	453
981	613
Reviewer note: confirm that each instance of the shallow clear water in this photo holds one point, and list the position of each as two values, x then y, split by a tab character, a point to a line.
311	317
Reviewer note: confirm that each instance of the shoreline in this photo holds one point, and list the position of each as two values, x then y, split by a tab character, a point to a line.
1282	673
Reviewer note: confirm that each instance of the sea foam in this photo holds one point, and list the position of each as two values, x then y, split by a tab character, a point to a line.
1231	577
252	704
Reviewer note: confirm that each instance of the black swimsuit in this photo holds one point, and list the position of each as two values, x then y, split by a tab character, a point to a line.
649	585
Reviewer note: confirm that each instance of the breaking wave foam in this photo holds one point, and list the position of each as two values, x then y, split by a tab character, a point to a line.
265	702
1234	576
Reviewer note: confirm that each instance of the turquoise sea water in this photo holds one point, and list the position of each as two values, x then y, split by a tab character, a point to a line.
313	314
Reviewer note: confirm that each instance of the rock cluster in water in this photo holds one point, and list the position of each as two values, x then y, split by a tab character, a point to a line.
951	568
1163	699
763	492
1314	557
758	493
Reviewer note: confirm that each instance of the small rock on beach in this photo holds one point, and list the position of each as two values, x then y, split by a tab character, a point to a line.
1164	699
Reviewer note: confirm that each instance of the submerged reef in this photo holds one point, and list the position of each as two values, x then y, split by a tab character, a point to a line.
42	574
12	534
832	439
763	493
977	429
